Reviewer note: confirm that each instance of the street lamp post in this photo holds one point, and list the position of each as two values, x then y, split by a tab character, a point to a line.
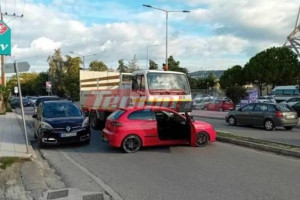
167	16
83	57
148	53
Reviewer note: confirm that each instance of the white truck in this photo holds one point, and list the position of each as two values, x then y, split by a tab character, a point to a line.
101	93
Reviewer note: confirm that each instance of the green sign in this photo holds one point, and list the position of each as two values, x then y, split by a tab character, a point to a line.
5	39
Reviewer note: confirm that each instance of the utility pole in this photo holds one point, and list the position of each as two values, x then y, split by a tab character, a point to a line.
2	56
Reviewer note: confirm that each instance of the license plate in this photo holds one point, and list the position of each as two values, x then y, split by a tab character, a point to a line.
68	134
290	117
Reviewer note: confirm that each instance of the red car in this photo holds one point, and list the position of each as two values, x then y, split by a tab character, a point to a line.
133	128
219	105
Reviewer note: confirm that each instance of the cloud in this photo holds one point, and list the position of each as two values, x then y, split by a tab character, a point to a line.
234	31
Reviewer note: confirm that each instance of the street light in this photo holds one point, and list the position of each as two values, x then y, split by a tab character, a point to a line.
83	57
148	53
167	14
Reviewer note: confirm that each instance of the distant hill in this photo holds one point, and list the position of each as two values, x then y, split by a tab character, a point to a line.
204	74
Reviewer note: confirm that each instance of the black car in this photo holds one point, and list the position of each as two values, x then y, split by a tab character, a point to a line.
15	102
60	122
41	99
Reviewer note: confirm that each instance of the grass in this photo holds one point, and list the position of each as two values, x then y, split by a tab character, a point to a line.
8	161
257	141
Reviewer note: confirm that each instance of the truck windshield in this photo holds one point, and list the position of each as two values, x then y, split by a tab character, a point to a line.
168	83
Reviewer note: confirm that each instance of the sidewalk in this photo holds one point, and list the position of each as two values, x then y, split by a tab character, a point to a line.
12	138
216	115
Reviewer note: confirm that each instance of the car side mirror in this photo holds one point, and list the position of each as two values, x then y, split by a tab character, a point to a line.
34	116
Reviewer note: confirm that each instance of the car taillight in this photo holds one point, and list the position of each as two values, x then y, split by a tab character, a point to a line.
279	114
116	124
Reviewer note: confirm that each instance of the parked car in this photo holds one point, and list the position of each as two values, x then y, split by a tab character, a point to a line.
218	105
15	102
203	96
291	101
60	122
133	128
268	115
42	99
200	103
266	99
296	107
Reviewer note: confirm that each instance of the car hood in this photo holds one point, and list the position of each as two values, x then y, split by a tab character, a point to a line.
202	125
63	122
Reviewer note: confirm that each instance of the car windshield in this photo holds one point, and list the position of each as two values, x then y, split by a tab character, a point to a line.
168	82
55	110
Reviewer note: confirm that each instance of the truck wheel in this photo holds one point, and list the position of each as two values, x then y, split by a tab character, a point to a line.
94	122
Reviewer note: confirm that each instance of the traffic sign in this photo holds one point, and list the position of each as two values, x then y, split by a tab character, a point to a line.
22	67
5	39
48	86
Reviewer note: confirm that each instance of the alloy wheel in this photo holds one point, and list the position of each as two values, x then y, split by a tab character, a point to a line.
131	144
202	139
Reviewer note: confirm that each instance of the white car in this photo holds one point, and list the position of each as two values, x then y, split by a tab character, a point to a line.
266	99
291	101
200	103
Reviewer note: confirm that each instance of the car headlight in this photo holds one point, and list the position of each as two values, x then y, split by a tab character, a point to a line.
46	126
85	123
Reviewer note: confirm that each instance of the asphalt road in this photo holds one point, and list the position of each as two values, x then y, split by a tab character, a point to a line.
218	171
278	135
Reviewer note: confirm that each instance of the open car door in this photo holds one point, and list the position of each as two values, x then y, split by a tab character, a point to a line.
192	129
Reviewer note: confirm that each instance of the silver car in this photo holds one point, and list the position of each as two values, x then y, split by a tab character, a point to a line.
268	115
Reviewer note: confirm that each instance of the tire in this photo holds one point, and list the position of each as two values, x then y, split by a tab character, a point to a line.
131	144
269	125
288	127
86	142
40	143
232	121
202	139
94	122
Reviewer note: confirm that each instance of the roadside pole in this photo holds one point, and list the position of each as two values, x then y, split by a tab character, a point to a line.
21	104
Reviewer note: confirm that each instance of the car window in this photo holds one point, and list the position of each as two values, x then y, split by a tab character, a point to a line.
297	105
271	108
283	108
168	116
116	114
248	108
141	115
292	100
260	108
56	110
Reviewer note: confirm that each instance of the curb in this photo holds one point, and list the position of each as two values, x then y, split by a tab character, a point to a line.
261	147
220	118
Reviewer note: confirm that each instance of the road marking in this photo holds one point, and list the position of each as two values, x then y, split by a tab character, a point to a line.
106	187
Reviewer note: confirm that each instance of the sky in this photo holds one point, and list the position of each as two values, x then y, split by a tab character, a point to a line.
216	34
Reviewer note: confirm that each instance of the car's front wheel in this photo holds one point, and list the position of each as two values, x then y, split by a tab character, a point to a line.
231	121
202	139
288	127
131	144
269	125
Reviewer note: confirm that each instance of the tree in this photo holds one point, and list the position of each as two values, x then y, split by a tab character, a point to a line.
57	73
152	65
236	93
173	65
122	67
132	65
71	77
98	66
232	76
276	66
4	96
